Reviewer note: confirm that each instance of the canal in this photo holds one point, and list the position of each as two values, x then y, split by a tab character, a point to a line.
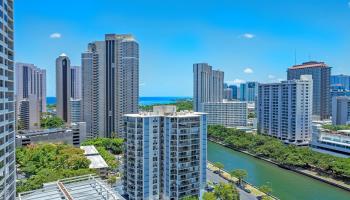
286	185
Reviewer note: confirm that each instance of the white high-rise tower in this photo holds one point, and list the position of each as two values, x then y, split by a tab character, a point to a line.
7	127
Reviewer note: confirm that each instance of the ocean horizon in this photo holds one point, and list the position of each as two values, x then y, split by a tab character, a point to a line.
142	100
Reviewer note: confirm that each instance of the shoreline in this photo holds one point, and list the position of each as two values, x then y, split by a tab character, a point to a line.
307	173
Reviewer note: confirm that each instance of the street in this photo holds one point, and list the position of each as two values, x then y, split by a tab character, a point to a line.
211	176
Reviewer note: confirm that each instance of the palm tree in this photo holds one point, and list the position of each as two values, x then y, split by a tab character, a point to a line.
240	174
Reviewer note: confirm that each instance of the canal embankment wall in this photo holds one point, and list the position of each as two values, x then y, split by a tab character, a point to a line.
304	172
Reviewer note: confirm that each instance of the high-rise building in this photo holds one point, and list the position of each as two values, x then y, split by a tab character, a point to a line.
285	110
248	91
208	85
340	82
7	111
93	106
226	113
228	93
321	86
110	83
30	95
234	89
76	87
341	110
165	154
75	110
63	87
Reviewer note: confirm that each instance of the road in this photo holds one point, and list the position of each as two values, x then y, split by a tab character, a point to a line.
211	176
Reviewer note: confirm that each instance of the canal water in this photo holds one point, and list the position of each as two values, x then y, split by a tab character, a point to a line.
286	185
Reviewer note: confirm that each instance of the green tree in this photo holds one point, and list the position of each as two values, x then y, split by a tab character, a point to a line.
240	174
51	122
209	196
251	115
219	165
112	180
190	198
224	191
43	163
265	189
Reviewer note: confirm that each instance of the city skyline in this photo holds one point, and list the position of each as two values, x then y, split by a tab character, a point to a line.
241	31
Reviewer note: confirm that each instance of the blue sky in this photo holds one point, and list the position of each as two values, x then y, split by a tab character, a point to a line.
247	39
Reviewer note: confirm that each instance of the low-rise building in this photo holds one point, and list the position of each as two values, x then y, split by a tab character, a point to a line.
226	113
75	188
73	135
96	160
334	141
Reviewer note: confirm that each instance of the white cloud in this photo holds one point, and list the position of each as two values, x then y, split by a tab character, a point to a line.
248	70
55	35
248	36
270	76
235	82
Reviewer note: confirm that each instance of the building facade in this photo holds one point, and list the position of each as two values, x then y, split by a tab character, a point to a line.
166	154
30	95
75	110
285	110
341	110
76	87
248	91
75	135
110	84
7	105
208	85
321	73
234	89
93	104
228	94
63	87
227	113
341	82
334	141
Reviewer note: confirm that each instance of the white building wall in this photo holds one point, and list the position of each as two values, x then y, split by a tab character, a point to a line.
228	114
285	110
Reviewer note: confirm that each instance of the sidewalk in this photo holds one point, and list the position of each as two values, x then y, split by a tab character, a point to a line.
226	176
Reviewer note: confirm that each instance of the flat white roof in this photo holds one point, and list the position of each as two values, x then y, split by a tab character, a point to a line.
89	150
95	158
97	162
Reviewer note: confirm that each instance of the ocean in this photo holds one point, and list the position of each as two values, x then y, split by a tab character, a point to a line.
142	101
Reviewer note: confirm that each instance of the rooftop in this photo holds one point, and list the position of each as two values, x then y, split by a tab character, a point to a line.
166	111
77	188
311	64
95	158
90	150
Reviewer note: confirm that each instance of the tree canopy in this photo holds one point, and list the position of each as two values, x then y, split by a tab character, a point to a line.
51	121
180	105
287	155
43	163
240	174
